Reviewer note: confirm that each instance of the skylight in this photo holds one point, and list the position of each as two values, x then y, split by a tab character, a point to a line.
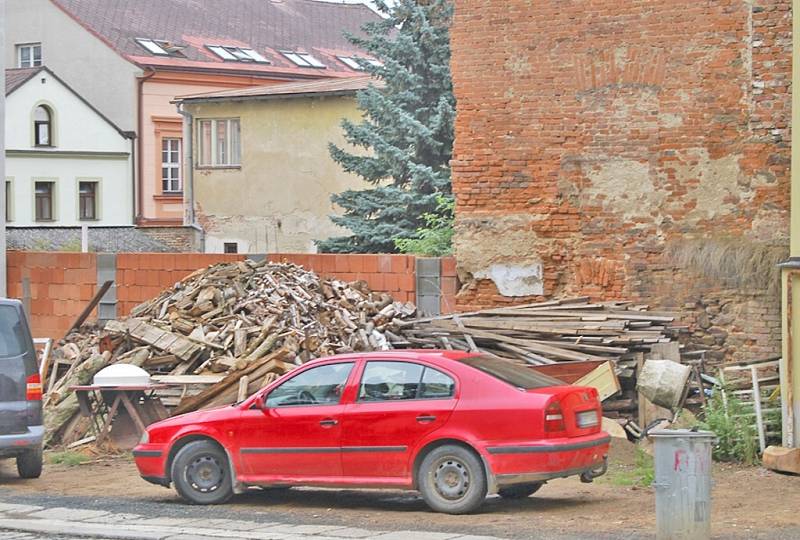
237	54
354	62
303	59
161	47
152	46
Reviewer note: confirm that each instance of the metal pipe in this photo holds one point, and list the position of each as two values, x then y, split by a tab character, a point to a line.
139	127
189	215
2	153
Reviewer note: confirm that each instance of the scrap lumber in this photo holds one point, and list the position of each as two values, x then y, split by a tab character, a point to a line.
222	323
603	379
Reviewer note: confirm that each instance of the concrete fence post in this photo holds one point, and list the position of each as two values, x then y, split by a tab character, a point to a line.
429	285
107	271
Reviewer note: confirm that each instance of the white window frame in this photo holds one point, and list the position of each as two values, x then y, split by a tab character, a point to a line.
169	165
229	147
32	49
351	62
303	59
237	54
97	197
9	193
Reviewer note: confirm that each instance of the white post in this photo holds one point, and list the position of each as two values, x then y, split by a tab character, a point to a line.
84	238
2	150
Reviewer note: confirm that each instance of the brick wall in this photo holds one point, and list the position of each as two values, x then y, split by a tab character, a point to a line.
63	283
626	149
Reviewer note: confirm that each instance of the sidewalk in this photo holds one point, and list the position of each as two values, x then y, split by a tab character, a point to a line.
107	525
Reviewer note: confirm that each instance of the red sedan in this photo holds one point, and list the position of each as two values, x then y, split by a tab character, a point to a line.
455	426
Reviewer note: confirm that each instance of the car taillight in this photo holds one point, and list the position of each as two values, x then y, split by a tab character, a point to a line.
554	418
33	388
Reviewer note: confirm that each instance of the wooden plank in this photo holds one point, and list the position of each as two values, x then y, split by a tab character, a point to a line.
90	307
187	379
603	379
569	372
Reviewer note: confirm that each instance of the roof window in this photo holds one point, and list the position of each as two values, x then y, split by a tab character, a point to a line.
160	47
237	54
303	59
354	62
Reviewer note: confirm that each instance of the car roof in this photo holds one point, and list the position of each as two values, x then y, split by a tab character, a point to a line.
431	355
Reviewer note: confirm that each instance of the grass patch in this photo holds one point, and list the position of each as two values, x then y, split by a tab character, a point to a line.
640	474
68	458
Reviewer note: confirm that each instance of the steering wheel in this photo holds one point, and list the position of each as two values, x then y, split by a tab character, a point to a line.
304	396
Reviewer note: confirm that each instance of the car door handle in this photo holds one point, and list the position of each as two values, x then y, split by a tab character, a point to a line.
425	418
328	422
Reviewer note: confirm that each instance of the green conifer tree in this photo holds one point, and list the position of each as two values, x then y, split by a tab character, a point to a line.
407	131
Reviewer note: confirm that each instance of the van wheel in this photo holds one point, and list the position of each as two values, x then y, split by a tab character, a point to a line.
201	473
29	464
452	480
520	491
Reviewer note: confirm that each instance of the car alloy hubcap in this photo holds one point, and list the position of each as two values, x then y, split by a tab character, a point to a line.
451	479
205	473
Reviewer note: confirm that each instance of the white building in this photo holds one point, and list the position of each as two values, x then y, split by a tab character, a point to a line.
66	163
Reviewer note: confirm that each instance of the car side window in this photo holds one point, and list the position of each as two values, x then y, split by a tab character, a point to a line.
390	381
321	385
395	381
436	385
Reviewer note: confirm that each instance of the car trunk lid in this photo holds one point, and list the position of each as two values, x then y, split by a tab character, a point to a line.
571	411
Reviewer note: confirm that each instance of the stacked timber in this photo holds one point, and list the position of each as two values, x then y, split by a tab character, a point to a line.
554	337
220	334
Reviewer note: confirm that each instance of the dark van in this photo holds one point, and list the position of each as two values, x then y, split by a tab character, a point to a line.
21	429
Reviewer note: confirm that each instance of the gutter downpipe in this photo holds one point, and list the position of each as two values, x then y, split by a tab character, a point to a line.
189	216
138	197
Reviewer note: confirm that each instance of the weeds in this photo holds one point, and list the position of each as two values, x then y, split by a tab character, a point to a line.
732	422
68	458
640	475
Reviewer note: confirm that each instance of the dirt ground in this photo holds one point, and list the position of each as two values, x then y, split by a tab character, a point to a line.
746	500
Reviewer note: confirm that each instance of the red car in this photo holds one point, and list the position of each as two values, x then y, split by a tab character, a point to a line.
455	426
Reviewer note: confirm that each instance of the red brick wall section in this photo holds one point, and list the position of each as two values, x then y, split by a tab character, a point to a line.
599	144
61	286
142	276
62	283
394	274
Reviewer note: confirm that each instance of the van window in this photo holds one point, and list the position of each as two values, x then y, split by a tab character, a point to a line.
12	334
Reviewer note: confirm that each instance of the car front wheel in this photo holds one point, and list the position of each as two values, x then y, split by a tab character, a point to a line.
520	491
452	480
29	464
201	473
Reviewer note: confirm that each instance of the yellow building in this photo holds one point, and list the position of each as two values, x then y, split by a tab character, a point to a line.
261	174
790	277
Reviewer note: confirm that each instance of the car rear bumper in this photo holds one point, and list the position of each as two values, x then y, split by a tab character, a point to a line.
15	443
541	460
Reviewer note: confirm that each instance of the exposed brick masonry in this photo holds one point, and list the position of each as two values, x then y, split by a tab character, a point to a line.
608	143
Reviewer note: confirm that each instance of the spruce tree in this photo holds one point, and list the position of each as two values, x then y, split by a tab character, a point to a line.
406	136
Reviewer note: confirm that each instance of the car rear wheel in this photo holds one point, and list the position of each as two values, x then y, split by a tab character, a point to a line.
201	473
520	491
29	464
452	480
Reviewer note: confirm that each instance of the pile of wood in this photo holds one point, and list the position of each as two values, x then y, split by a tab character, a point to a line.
553	337
220	334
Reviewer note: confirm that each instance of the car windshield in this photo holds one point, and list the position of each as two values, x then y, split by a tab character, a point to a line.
12	340
514	374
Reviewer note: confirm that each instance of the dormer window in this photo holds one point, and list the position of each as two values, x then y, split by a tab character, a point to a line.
42	126
237	54
303	59
160	47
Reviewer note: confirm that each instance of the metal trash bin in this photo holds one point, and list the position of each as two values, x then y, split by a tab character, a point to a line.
683	483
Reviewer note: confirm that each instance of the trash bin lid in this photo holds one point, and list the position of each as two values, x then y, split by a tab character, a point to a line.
681	433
